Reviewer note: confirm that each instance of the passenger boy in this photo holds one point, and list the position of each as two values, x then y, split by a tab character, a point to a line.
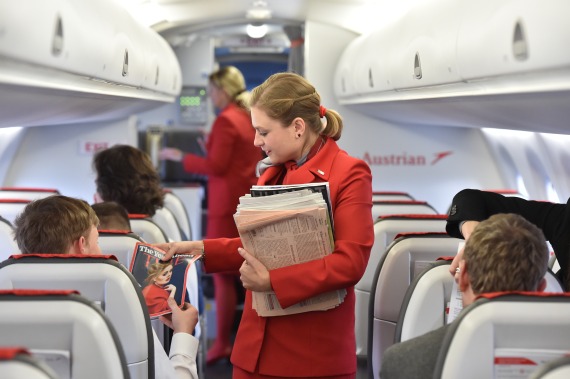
504	253
64	225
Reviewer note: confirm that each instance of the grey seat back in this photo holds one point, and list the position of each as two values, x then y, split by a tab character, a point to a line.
406	257
386	228
102	280
64	325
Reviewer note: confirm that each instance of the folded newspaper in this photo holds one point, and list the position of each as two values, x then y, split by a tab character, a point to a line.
282	227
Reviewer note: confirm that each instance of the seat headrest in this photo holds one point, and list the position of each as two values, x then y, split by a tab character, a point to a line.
7	353
37	292
34	257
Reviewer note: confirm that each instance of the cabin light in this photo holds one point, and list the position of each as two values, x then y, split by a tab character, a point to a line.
256	31
259	11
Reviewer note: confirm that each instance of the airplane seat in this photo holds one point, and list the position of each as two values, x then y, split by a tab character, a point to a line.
18	362
11	208
102	280
7	244
553	283
26	193
558	368
404	259
178	209
167	222
147	229
391	195
385	229
66	330
388	207
425	305
507	332
120	243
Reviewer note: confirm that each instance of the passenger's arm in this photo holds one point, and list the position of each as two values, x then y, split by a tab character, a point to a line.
183	351
184	345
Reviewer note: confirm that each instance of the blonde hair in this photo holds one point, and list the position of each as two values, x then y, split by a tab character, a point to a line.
231	80
286	96
155	269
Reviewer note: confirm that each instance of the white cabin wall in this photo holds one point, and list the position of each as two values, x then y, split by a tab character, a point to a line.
402	158
56	156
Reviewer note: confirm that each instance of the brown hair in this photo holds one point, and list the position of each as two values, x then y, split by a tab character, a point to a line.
51	225
506	253
126	175
285	96
155	269
112	215
231	80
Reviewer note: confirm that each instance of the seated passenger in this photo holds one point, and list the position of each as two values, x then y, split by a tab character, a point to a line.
65	225
126	175
471	206
504	253
112	216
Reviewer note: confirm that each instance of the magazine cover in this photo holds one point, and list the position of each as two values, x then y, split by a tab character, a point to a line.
160	280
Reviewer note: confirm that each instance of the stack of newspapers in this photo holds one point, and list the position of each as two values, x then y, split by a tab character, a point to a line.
286	225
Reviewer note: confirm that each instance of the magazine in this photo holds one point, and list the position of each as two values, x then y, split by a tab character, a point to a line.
160	280
286	228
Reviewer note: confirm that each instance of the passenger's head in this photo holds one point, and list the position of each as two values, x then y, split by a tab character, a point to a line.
504	253
159	273
287	96
57	225
126	175
112	216
228	85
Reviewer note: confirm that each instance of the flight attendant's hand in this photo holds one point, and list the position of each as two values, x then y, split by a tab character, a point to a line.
171	154
254	275
182	247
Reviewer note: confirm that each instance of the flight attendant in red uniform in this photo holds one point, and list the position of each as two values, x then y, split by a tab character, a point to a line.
288	120
229	163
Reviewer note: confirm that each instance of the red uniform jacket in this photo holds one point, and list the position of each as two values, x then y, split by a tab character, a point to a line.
230	166
313	343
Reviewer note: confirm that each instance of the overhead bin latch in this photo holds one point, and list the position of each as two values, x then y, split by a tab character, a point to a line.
417	66
370	78
126	63
57	42
520	46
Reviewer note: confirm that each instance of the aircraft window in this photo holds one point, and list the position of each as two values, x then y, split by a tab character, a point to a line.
511	169
540	173
565	160
551	194
521	187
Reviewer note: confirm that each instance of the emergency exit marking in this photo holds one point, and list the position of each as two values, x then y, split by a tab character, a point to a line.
91	147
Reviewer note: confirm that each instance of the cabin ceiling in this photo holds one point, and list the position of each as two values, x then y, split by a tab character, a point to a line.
182	21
